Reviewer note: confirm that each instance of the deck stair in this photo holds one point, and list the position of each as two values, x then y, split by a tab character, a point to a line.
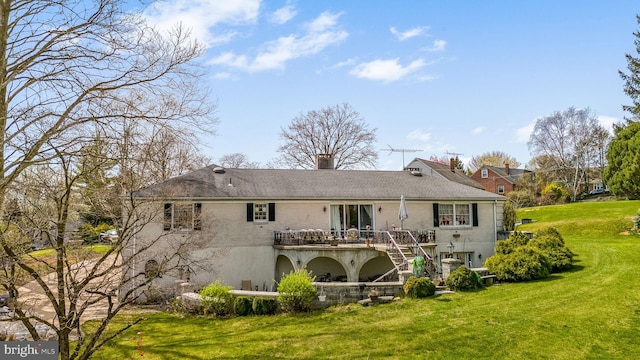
402	250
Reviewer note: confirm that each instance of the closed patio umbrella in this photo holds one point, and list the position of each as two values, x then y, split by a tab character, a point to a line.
402	214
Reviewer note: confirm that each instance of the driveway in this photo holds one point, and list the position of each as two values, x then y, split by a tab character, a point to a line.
34	301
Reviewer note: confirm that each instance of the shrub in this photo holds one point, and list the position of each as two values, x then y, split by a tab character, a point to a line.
560	257
296	291
551	231
462	279
508	216
216	299
522	198
243	305
264	305
524	263
636	221
515	240
419	287
555	194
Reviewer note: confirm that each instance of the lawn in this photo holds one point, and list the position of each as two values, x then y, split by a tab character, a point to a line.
591	312
38	259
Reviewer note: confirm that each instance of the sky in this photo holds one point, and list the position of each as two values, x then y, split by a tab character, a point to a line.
442	77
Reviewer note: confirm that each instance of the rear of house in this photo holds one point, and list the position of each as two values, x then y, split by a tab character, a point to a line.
251	226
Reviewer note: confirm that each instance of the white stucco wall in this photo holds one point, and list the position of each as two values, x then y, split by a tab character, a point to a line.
232	249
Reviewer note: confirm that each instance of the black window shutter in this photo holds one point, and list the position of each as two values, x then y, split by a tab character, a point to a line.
272	211
436	215
167	217
474	213
197	216
249	211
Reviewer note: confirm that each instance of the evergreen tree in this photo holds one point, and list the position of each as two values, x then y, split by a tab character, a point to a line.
623	172
632	79
95	172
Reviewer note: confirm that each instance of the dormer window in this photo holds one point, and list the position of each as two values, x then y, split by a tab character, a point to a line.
484	173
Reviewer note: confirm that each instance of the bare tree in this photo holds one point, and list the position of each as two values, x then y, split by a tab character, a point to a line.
69	70
163	153
338	130
237	161
569	142
494	158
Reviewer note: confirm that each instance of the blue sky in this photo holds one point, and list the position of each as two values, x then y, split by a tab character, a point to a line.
464	77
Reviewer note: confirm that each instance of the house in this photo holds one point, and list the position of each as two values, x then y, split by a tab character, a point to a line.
448	172
254	225
497	180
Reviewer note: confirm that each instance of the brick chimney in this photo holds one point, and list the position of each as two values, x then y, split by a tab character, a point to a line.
324	161
506	168
452	164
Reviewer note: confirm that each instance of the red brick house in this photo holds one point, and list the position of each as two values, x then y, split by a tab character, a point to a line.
497	180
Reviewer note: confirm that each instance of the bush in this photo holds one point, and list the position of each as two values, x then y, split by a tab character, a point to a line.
636	221
555	194
243	305
551	231
416	287
462	279
508	216
550	242
524	263
216	299
296	291
522	198
515	240
264	305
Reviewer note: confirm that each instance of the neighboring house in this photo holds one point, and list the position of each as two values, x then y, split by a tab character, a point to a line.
448	172
497	180
258	224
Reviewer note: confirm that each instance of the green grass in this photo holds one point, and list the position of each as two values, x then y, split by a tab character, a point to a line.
591	312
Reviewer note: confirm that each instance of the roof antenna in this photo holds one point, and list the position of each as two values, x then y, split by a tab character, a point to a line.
391	150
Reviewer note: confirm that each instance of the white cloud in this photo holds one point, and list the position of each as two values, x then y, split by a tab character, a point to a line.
408	34
222	75
202	15
523	133
438	45
322	32
386	70
607	122
347	62
324	22
419	135
283	15
478	130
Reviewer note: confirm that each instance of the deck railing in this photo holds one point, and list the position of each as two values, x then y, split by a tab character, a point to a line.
351	236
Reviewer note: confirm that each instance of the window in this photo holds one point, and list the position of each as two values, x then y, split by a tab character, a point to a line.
484	173
351	216
501	189
261	212
182	216
455	214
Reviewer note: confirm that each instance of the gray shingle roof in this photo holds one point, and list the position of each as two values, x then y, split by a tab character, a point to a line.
311	184
512	176
456	175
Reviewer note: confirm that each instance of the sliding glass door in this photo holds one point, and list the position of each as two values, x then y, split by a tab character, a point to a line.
351	216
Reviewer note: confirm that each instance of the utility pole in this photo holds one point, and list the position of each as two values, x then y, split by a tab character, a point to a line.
392	150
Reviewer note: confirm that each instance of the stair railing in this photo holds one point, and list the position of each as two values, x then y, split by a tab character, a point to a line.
418	250
392	245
